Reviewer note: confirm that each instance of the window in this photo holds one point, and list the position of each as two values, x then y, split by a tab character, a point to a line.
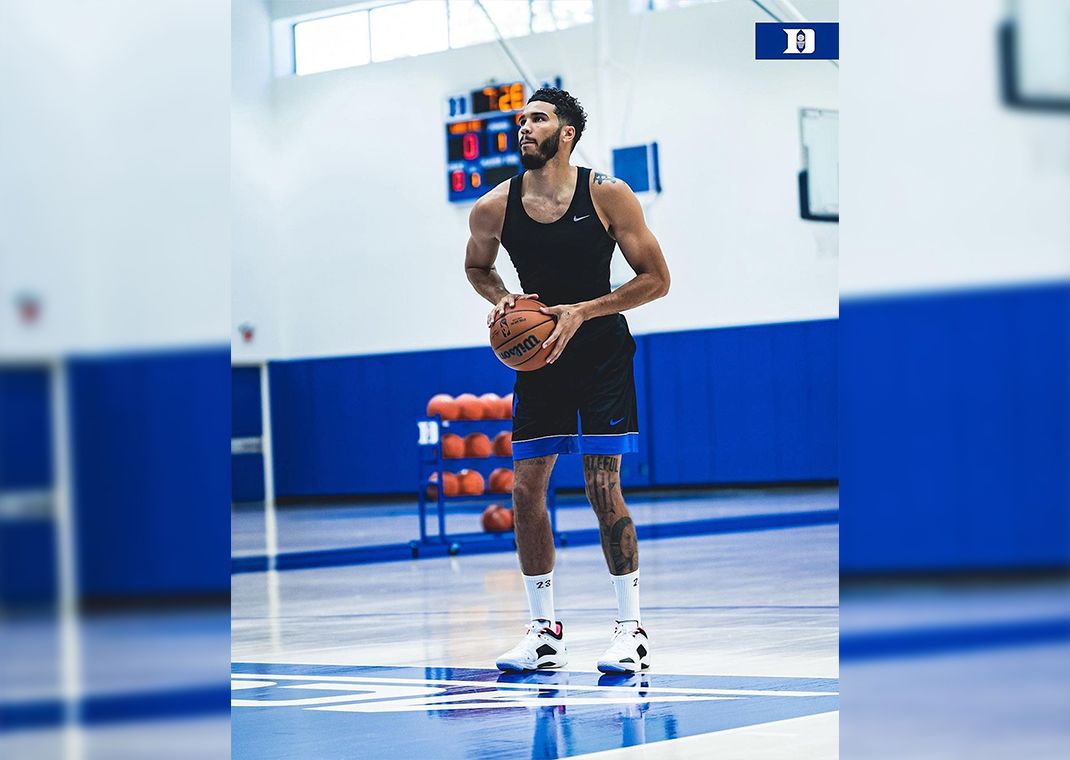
382	31
469	25
409	29
638	6
330	43
554	15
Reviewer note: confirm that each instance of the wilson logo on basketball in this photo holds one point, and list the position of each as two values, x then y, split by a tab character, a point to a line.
517	337
520	348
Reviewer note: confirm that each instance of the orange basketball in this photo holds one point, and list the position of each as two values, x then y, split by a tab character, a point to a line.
452	446
507	407
503	444
492	405
451	487
477	445
518	335
497	519
500	481
471	482
470	407
442	405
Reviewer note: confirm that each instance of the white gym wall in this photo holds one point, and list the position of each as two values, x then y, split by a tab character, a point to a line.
344	241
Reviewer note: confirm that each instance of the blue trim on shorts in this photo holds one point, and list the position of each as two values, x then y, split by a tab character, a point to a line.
610	444
576	444
541	447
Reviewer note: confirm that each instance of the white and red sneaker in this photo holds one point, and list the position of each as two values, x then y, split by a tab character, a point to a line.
541	648
629	650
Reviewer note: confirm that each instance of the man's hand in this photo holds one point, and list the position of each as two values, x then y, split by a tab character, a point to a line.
505	303
569	318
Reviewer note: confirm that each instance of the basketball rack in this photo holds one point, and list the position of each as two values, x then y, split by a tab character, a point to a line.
430	460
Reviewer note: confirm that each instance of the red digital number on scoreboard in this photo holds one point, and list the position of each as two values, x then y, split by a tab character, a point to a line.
470	146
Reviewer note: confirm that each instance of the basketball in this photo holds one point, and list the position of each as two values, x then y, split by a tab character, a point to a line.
492	406
469	407
442	405
451	487
503	444
452	446
477	445
470	482
500	481
518	335
497	519
507	407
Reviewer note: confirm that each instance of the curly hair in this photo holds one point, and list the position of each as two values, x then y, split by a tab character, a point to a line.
569	110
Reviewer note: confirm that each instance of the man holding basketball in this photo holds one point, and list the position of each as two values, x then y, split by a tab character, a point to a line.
560	225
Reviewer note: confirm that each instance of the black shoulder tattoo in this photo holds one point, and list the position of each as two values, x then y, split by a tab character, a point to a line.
599	178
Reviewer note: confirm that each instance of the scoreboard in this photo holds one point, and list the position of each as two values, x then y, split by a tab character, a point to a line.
481	135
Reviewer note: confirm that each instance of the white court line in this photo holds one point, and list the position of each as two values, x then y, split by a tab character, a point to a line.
528	686
815	737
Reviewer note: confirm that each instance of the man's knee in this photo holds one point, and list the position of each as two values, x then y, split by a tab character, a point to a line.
605	496
528	494
599	488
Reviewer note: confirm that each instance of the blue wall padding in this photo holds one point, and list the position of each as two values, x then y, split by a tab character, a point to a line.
955	431
27	546
25	428
754	404
245	402
348	426
151	449
743	404
246	478
27	562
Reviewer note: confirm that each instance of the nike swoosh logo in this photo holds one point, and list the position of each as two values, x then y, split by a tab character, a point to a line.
616	421
580	219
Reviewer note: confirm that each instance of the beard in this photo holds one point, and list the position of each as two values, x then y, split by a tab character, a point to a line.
543	152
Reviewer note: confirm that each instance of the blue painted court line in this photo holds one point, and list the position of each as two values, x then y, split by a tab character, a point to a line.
485	543
947	639
117	708
287	711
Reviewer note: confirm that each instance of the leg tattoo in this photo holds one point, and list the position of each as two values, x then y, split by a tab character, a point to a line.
619	543
601	476
623	547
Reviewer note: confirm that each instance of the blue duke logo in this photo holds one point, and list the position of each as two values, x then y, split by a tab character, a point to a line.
791	41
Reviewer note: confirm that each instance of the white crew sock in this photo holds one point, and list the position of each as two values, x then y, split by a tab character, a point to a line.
627	588
541	596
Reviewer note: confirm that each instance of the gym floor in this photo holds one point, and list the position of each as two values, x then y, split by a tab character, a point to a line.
402	654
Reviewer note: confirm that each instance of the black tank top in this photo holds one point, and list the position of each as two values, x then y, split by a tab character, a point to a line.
566	261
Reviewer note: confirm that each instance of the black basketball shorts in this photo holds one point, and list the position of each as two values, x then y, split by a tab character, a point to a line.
584	403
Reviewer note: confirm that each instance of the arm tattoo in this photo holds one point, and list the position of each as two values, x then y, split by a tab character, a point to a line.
623	547
599	178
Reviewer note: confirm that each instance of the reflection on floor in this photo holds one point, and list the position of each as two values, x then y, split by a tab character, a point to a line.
743	626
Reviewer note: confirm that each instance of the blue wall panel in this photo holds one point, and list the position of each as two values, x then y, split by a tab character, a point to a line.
245	402
955	423
246	478
27	562
744	404
150	438
25	428
246	470
715	406
348	425
27	545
